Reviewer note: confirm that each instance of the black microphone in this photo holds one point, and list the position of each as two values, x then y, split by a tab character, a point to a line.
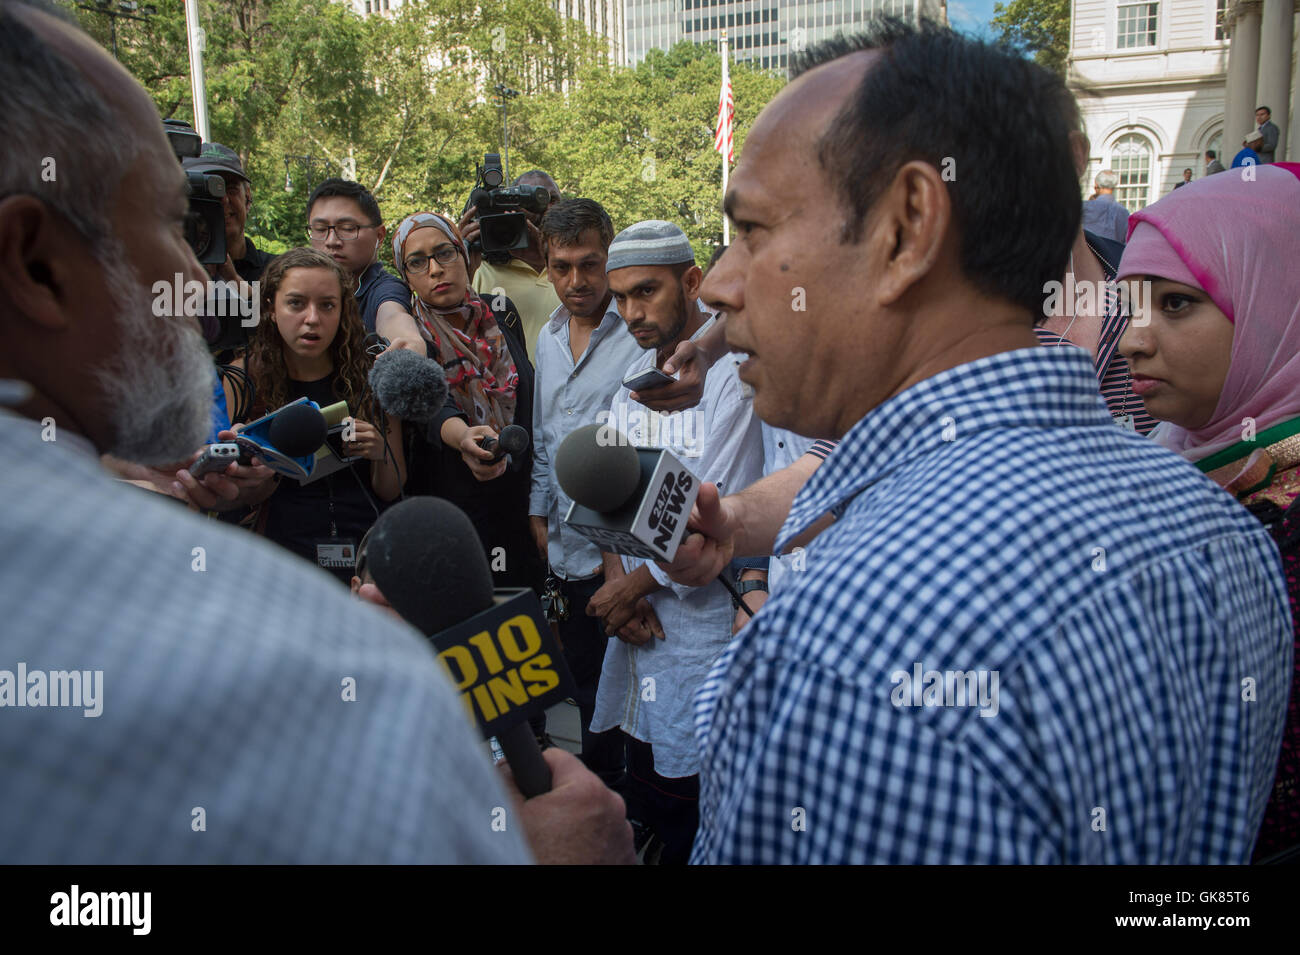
427	560
297	431
512	440
409	386
626	500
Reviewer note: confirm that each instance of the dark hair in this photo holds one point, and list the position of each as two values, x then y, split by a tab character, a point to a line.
565	222
1209	154
1187	170
265	358
1265	109
350	190
718	253
956	103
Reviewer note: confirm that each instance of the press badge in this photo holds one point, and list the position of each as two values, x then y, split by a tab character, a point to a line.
1125	421
336	553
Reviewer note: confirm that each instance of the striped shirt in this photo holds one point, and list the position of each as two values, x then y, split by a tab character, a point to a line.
1108	632
1113	374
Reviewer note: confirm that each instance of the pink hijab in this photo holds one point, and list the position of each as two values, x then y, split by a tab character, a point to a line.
1238	240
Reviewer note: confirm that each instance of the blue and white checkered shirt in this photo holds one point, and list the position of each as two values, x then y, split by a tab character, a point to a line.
1109	632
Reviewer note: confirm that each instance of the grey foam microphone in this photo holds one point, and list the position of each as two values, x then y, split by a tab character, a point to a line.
626	500
597	467
409	386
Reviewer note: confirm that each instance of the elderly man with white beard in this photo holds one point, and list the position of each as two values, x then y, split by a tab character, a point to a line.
215	740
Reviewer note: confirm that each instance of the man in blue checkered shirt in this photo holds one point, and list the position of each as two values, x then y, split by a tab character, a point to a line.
1029	636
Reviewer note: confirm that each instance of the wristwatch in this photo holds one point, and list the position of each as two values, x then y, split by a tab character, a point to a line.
747	586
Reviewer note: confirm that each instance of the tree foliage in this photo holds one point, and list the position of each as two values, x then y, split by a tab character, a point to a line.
408	100
1037	27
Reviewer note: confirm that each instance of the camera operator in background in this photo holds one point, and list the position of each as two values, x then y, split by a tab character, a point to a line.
520	273
244	260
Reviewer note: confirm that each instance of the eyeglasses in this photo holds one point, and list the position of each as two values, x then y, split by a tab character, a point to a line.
347	231
443	255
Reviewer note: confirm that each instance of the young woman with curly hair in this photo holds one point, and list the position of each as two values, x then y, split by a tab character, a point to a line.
309	343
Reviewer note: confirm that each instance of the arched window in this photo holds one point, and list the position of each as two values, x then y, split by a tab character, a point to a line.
1130	157
1215	142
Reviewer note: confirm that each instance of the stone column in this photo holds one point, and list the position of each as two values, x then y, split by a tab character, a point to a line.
1273	87
1243	69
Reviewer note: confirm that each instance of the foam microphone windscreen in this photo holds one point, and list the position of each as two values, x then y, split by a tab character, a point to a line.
297	431
598	467
428	562
408	385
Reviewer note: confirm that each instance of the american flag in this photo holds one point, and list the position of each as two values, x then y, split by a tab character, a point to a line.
722	141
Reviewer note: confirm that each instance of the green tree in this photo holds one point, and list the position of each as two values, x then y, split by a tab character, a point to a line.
1037	27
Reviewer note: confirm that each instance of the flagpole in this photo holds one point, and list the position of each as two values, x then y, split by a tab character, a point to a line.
726	224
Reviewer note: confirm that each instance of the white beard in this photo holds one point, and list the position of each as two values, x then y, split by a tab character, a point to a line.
158	387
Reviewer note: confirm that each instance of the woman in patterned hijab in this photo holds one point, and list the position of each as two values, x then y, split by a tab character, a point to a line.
481	373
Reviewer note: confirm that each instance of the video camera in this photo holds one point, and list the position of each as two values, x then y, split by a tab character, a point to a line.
501	211
205	224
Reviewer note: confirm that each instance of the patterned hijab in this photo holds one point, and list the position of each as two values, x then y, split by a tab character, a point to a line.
1233	236
481	375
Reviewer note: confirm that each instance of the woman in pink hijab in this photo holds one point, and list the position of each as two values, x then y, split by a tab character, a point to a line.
1215	355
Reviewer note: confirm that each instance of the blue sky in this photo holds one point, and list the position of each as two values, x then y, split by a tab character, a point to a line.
971	16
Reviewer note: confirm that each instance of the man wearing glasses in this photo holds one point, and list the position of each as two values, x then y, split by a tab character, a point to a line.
343	221
523	279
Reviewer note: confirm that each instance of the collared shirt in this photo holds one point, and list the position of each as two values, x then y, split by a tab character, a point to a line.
1109	630
567	396
530	290
719	441
237	682
782	448
1106	217
376	286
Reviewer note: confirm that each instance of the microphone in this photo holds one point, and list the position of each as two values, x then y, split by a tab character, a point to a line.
409	386
512	440
297	431
626	500
287	440
427	560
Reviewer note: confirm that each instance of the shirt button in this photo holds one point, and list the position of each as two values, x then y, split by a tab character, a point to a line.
569	411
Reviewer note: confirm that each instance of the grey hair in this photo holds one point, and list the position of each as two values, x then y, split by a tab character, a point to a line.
1106	179
62	141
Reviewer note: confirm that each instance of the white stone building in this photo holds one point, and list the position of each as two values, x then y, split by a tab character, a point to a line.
1150	78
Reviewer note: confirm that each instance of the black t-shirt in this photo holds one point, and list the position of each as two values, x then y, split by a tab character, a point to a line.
376	286
335	510
254	262
498	509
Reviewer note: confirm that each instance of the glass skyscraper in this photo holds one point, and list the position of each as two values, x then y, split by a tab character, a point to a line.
764	32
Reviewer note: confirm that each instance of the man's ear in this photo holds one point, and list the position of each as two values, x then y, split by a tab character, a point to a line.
907	228
38	256
692	279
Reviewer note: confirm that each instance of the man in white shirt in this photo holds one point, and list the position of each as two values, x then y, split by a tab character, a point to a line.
647	684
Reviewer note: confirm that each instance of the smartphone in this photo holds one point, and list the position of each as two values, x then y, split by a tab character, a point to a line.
645	380
216	457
